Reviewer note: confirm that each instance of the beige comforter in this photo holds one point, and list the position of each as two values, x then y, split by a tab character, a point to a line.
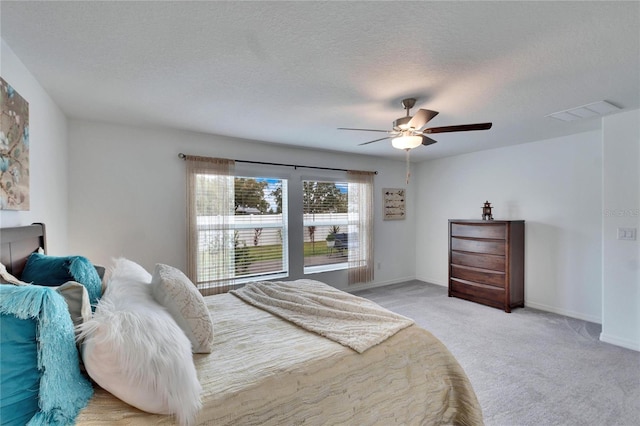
350	320
267	371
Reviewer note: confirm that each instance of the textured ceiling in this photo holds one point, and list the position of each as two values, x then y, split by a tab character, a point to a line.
292	72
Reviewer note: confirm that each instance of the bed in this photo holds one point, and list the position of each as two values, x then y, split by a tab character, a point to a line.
265	370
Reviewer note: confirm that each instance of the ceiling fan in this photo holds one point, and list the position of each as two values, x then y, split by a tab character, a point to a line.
408	132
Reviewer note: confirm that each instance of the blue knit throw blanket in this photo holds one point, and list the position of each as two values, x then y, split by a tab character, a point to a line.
64	391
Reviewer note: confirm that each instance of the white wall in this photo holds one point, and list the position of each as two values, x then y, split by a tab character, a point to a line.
621	208
127	195
124	195
554	185
47	155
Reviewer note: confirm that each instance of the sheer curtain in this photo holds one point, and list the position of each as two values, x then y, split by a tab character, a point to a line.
210	209
360	226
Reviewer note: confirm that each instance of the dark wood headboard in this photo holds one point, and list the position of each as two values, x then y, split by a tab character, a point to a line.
16	244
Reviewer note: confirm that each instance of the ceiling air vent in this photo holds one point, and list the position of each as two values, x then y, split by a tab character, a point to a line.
595	109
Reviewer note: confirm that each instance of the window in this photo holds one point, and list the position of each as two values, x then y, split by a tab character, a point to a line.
325	221
260	227
238	227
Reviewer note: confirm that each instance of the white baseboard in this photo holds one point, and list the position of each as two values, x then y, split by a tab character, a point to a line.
358	287
565	312
629	344
541	306
433	281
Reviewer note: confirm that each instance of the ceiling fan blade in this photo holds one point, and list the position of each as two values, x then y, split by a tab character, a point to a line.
422	117
427	141
375	140
363	130
458	128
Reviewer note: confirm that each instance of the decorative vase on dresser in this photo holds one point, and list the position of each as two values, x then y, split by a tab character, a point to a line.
486	262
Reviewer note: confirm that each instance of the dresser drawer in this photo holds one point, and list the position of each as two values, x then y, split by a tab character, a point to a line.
485	261
483	276
493	296
478	246
493	231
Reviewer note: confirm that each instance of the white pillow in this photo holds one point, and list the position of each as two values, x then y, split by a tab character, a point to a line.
123	268
173	290
133	348
7	278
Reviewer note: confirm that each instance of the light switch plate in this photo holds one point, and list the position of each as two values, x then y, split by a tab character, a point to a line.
628	234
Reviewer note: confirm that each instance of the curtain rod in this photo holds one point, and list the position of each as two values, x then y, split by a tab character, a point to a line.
295	166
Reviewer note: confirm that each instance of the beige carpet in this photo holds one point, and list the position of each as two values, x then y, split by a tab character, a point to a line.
529	367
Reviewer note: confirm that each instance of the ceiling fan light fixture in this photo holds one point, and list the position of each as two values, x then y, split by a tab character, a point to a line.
409	132
406	142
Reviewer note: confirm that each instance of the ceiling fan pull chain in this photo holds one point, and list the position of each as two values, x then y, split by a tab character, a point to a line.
408	166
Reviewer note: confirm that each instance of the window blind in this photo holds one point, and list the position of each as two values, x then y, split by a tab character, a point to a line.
325	221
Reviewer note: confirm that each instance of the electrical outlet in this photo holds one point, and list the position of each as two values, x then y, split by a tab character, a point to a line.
628	234
379	265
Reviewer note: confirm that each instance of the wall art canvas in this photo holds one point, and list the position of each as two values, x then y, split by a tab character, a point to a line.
394	203
14	149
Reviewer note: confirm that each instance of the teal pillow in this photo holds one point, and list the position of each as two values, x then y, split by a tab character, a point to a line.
20	378
45	270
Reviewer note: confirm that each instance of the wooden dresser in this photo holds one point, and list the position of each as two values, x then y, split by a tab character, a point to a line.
486	262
